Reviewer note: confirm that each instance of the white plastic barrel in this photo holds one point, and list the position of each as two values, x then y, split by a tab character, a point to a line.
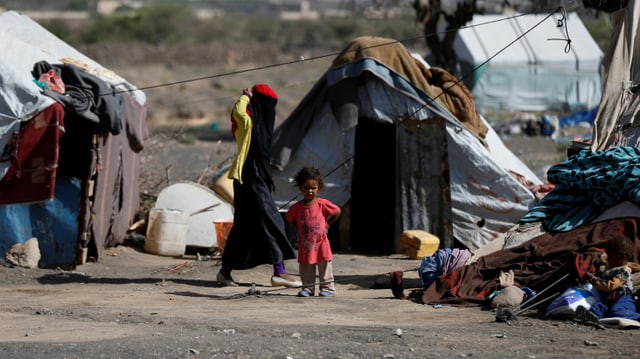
167	232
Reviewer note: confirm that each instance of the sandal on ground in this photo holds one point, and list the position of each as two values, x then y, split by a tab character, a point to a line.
226	280
285	280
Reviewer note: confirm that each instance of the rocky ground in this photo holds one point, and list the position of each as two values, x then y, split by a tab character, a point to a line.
137	305
133	304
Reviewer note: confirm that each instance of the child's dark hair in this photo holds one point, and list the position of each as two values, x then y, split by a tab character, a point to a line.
308	173
621	245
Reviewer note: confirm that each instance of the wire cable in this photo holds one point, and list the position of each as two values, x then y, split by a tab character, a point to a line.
334	54
560	23
465	76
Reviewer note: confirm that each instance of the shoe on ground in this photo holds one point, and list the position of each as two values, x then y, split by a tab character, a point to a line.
327	293
304	293
285	280
225	280
585	316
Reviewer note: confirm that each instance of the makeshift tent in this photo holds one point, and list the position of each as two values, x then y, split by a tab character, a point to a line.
618	116
403	145
70	159
580	195
525	62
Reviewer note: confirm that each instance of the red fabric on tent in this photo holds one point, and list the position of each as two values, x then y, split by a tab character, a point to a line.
33	152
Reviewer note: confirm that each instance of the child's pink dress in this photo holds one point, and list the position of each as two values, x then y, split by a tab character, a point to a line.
311	222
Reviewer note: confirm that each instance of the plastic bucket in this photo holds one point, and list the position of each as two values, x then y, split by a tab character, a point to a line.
167	232
223	227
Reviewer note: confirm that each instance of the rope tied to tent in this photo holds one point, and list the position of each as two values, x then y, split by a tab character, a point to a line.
562	23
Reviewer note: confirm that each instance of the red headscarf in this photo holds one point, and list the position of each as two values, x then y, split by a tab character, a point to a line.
262	89
265	90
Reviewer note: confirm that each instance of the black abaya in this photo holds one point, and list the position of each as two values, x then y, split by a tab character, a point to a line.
258	234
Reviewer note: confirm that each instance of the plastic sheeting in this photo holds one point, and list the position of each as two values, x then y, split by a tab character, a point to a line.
618	116
25	43
485	200
54	223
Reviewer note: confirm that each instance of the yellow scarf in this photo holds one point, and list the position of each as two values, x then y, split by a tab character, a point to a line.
242	136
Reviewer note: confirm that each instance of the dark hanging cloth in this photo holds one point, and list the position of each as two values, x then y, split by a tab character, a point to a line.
86	96
116	196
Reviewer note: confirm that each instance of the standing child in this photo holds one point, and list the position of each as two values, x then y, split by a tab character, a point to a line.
312	216
614	284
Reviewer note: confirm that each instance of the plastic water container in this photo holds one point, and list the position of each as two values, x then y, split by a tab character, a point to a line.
167	232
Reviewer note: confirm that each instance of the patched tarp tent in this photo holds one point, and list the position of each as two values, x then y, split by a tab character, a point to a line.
70	154
403	145
618	116
525	62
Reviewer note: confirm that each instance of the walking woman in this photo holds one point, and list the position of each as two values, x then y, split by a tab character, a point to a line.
258	234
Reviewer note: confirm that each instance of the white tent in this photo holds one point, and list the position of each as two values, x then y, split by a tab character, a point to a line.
525	63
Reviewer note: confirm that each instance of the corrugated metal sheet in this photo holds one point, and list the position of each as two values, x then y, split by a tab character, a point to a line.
423	181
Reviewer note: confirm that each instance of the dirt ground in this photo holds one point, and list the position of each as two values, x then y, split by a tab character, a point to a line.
132	304
137	305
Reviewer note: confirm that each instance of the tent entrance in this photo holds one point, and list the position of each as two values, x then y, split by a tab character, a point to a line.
373	188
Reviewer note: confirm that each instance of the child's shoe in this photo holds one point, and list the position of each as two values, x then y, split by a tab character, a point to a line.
327	293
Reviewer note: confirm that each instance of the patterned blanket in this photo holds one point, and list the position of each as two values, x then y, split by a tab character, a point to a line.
586	185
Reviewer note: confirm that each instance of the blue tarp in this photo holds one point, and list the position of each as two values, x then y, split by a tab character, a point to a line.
54	223
578	117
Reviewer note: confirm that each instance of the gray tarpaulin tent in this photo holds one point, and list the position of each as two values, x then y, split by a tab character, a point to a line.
380	124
